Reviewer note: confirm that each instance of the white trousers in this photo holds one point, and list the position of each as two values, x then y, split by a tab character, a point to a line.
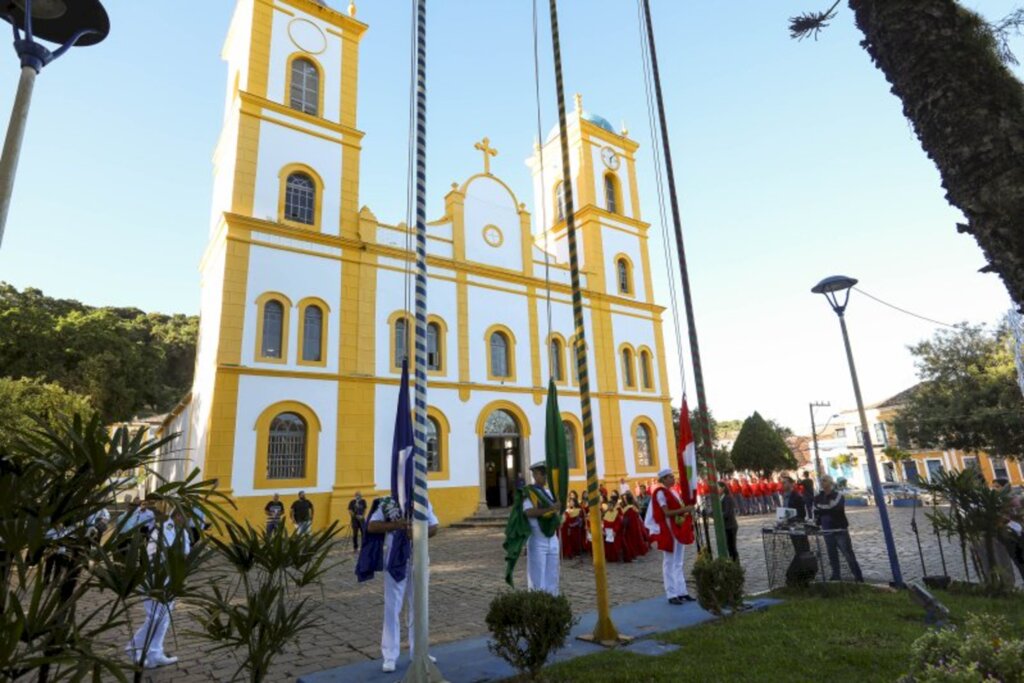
542	557
395	597
154	628
672	571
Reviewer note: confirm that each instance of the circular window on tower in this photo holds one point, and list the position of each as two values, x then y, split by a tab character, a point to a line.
493	236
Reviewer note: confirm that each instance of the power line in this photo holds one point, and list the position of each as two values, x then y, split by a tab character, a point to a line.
903	310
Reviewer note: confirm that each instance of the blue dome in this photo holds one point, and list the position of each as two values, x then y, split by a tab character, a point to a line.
599	121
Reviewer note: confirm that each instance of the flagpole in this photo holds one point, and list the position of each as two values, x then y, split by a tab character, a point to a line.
707	447
604	629
421	670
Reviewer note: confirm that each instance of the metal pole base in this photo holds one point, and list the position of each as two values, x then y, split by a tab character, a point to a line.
605	635
423	671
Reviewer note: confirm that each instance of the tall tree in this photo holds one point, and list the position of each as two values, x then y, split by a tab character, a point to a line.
968	398
947	66
23	401
760	448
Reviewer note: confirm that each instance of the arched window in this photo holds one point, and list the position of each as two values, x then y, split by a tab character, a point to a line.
300	199
305	87
570	443
611	190
642	445
286	447
401	343
557	371
433	445
645	370
500	366
272	342
560	201
433	346
624	275
627	368
312	334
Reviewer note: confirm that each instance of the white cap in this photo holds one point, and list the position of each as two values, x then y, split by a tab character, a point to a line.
664	473
539	465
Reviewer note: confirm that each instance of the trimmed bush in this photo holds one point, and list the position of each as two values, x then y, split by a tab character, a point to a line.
983	650
719	583
527	626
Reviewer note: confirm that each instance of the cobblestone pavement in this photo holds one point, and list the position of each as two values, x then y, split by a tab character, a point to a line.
467	571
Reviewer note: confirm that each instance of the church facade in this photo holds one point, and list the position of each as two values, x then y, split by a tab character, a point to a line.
304	320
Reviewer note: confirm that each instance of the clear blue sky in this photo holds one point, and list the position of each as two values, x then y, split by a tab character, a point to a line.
793	162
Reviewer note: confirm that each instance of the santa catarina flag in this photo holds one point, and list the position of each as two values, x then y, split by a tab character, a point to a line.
686	461
686	457
556	451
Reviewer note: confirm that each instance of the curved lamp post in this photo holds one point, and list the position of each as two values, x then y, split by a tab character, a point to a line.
835	288
64	22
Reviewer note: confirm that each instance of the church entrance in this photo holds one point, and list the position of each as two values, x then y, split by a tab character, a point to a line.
502	462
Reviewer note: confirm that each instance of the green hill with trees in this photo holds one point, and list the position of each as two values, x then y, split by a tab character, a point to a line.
60	355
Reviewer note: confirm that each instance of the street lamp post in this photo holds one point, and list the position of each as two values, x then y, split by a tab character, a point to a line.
814	435
64	22
832	287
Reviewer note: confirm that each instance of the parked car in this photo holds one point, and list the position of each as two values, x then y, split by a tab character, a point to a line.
893	490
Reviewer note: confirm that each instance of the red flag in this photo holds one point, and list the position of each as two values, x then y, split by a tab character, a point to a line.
686	463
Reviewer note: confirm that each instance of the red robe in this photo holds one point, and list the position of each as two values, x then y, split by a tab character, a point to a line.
573	533
634	533
615	549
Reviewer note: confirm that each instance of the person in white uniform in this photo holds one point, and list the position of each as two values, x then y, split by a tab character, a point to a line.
149	639
544	515
665	519
395	593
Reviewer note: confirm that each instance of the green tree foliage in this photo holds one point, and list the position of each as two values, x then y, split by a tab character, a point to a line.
969	398
124	360
20	399
760	448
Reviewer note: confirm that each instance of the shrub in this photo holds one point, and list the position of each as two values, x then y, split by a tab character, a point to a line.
526	626
719	583
983	650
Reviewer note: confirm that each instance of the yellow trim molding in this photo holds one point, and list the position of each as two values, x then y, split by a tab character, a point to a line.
652	433
628	365
325	312
262	427
286	305
318	200
577	436
442	345
645	368
443	430
396	362
508	407
630	282
321	82
510	340
616	190
557	340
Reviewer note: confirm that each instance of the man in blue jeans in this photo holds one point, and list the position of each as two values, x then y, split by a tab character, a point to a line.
830	507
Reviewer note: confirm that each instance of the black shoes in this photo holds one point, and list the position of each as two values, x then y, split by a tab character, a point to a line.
686	598
675	601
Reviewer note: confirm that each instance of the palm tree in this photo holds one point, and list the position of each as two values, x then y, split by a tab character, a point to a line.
948	67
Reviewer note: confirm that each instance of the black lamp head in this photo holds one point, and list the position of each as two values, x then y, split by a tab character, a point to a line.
57	21
835	283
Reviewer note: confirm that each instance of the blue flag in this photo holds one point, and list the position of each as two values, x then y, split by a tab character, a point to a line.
402	448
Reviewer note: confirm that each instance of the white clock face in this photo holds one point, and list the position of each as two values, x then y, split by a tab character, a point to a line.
610	158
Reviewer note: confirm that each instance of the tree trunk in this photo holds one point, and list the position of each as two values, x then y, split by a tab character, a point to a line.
967	110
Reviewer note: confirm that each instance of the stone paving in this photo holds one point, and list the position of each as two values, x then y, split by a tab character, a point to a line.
467	571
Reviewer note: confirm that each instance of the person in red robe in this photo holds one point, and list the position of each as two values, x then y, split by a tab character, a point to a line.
573	532
748	497
614	547
633	531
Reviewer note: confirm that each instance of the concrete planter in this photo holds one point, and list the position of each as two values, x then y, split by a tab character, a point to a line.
856	502
905	502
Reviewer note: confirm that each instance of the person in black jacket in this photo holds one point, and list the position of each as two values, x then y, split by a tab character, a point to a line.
807	484
792	499
729	518
830	508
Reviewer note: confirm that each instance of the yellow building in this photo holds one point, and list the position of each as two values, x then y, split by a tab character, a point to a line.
303	313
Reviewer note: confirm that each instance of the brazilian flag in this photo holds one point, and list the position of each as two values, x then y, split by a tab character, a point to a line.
556	451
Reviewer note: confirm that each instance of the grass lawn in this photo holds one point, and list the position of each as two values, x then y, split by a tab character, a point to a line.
863	634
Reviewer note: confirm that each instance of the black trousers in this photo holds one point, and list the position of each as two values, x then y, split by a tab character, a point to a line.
357	531
730	542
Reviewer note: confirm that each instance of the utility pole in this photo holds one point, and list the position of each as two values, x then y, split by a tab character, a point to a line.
814	434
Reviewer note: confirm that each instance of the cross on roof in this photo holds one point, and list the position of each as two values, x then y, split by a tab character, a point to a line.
485	147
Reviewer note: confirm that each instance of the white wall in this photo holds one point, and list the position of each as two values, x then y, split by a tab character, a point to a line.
488	202
311	33
255	394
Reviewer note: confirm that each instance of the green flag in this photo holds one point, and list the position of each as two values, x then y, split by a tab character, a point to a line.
517	531
556	451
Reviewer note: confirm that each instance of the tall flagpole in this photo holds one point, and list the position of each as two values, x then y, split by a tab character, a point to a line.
707	447
421	670
604	630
